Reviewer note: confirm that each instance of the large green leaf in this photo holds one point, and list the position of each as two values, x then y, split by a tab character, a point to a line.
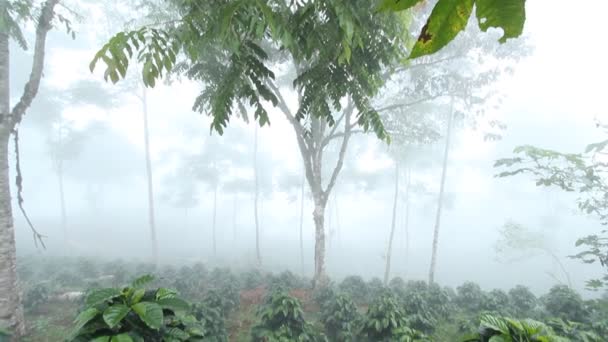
174	304
101	339
397	5
99	296
141	281
114	314
150	313
82	319
509	15
447	19
121	338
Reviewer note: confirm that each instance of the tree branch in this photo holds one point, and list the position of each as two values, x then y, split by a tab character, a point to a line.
347	133
31	87
405	105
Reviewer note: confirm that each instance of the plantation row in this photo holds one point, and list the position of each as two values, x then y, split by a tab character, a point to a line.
192	303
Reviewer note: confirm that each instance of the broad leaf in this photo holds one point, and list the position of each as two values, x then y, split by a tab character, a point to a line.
82	319
114	314
101	339
509	15
99	296
447	19
121	338
397	5
141	281
150	313
174	304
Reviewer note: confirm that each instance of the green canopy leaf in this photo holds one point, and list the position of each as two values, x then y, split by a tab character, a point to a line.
114	314
447	19
150	313
397	5
121	338
509	15
99	296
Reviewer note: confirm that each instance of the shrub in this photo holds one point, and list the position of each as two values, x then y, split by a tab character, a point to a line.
356	287
494	328
497	301
565	303
470	297
324	295
386	321
282	319
522	300
340	317
135	314
35	296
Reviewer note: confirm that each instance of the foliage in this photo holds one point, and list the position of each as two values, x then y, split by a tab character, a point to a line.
228	45
281	319
325	294
522	300
574	331
582	173
340	317
286	280
565	303
356	288
495	328
470	297
36	296
386	321
135	314
425	305
497	301
450	17
212	313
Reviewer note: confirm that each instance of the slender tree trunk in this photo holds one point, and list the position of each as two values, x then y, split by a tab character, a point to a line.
213	228
389	250
318	215
151	219
407	220
302	226
11	312
337	216
440	199
256	198
234	215
64	217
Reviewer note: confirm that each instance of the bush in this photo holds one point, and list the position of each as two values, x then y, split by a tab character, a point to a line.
497	301
135	314
386	321
35	296
522	300
340	317
470	297
281	319
494	328
565	303
356	287
212	321
323	295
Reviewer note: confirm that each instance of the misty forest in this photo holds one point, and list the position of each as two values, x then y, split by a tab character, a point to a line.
303	170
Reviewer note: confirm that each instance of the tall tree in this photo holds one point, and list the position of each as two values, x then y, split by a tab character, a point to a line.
12	15
227	46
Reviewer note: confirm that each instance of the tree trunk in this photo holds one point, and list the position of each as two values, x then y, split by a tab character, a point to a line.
11	312
337	216
234	215
440	199
213	228
151	219
389	250
64	217
407	220
302	227
318	214
256	198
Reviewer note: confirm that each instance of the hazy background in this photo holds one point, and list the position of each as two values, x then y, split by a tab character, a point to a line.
551	101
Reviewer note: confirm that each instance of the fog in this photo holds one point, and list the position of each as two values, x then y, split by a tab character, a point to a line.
550	100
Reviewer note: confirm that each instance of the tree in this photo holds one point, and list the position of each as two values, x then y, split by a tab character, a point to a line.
12	15
226	47
584	173
517	242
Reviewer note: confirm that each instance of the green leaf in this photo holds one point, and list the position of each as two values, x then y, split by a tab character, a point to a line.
121	338
397	5
101	339
141	281
509	15
163	293
447	19
150	313
137	296
82	319
174	304
102	295
114	314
